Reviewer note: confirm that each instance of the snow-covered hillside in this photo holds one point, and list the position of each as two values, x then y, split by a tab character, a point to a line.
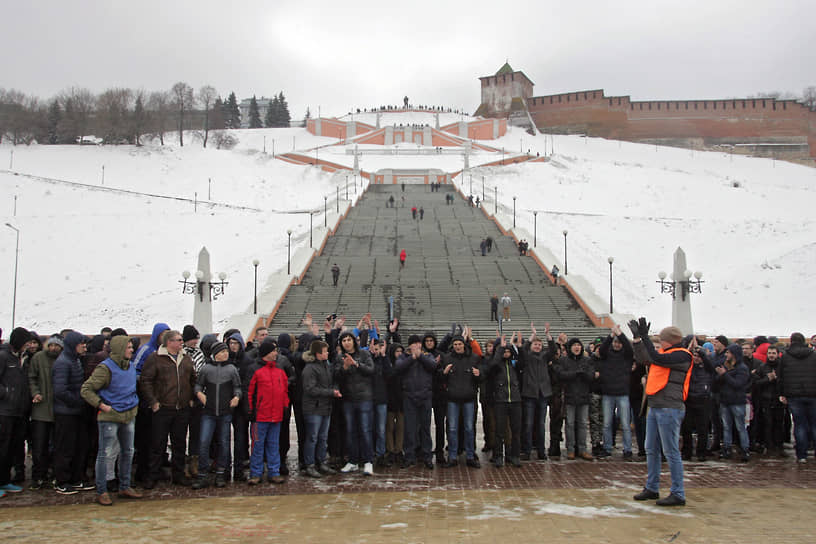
96	256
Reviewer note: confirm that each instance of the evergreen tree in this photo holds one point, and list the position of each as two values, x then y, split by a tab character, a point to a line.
217	116
232	114
254	114
307	117
272	113
283	116
54	118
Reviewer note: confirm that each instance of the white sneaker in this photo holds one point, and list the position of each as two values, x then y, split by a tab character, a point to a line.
368	469
349	467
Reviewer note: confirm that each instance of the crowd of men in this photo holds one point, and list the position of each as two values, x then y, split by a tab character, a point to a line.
363	397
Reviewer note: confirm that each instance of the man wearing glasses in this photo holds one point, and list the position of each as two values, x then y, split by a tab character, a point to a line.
166	384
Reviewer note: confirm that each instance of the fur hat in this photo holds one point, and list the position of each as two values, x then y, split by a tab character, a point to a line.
672	335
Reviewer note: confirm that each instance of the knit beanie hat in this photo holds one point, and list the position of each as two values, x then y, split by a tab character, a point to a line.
672	335
267	347
54	339
458	338
19	338
218	346
189	333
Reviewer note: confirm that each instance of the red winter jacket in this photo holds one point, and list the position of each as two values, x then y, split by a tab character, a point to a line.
268	393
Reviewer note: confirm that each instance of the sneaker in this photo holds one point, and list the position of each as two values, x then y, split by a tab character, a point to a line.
349	467
474	463
671	500
323	468
312	472
368	469
802	461
450	463
407	463
429	464
254	480
37	484
627	456
201	482
12	488
646	495
220	479
65	489
84	486
2	494
602	453
525	456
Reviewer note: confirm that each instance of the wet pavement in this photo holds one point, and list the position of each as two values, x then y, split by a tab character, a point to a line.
767	499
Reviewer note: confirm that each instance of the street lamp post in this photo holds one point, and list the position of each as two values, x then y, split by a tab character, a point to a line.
289	252
16	257
325	211
471	184
310	230
514	212
610	260
495	200
483	189
565	253
255	263
535	227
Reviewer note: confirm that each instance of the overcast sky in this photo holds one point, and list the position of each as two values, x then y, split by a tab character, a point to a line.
360	53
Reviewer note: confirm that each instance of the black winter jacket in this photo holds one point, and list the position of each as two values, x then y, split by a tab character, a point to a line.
504	376
356	382
14	392
67	377
576	375
797	372
416	376
462	384
615	367
318	386
536	377
733	385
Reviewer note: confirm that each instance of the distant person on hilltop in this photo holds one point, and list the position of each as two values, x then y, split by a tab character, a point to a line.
403	255
494	308
335	271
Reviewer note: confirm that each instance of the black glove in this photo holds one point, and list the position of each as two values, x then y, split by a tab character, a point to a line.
635	328
643	327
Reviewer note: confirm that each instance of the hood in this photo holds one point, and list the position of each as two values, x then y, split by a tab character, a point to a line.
284	341
736	351
345	334
72	340
391	350
430	334
158	329
97	344
709	347
19	338
305	341
798	351
308	357
207	343
118	345
236	357
569	348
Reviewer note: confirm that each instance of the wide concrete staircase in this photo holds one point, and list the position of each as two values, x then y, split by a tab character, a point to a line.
445	279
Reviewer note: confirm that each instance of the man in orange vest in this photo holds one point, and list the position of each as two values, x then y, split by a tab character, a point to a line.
669	373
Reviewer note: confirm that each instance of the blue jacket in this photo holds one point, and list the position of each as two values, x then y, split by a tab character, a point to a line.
67	377
151	346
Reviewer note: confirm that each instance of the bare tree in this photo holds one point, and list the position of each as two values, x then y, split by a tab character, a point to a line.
12	112
80	102
113	112
206	95
183	101
809	97
158	105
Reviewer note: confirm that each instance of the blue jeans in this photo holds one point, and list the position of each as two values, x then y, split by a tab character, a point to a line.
380	417
530	407
468	417
112	434
358	431
734	413
609	403
265	442
209	425
317	434
663	430
803	410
